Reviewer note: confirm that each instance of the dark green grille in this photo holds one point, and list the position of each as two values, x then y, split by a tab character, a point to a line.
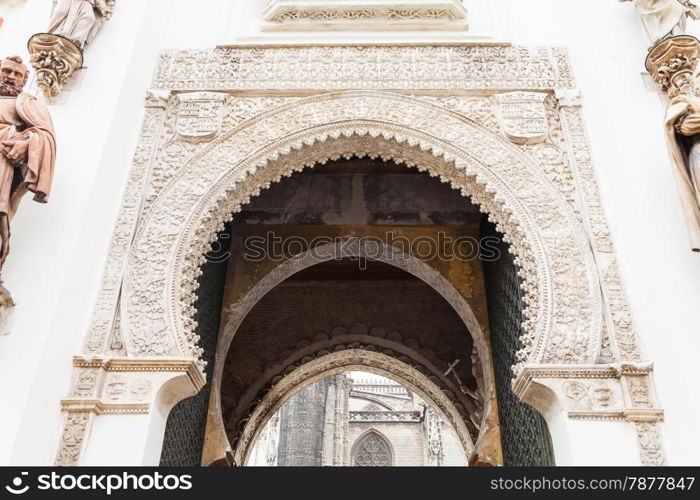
524	434
184	431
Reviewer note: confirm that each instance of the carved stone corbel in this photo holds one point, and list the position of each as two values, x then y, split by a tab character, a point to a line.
672	63
55	59
58	53
117	386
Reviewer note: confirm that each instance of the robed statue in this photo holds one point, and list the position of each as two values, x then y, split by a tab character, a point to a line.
79	20
27	149
683	136
664	18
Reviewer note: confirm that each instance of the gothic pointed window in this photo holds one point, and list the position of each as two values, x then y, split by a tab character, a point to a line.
372	451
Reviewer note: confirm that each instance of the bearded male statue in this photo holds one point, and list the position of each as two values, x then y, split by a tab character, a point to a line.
27	150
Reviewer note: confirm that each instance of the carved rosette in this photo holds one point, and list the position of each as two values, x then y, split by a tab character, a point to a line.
672	63
55	59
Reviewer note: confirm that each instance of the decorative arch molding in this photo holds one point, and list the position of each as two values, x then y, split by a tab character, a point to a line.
235	419
339	362
560	281
371	250
187	177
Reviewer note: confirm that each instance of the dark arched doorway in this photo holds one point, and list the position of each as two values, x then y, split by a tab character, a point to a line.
359	197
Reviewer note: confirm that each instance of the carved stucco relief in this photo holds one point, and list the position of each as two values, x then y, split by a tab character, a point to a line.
532	214
287	70
188	178
377	14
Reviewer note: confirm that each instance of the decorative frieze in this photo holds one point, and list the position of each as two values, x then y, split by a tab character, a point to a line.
115	386
617	391
624	344
104	315
458	68
367	14
385	416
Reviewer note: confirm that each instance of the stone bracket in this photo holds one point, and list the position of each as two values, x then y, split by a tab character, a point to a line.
55	59
615	391
115	386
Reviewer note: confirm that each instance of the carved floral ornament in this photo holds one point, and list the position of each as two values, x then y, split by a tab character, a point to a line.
190	177
396	14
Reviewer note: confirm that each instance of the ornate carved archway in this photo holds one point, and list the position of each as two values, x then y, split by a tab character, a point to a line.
563	302
202	154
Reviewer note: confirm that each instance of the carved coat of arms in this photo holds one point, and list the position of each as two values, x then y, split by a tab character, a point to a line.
523	117
200	115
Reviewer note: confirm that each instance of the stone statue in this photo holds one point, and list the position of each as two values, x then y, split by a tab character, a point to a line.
27	150
663	18
79	20
683	136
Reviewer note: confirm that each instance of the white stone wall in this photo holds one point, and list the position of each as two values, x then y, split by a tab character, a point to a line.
58	250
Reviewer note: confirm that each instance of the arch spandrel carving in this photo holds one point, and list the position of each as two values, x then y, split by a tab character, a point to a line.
557	268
